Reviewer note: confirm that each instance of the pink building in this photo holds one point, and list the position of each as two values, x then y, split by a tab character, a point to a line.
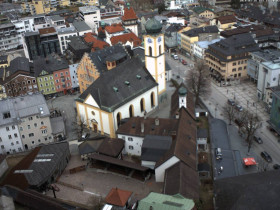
62	80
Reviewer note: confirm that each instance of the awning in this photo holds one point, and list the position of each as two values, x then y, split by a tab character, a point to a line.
249	161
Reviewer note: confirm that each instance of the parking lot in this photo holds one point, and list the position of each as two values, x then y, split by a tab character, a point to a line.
95	184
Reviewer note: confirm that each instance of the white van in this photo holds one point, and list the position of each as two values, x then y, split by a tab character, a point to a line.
175	57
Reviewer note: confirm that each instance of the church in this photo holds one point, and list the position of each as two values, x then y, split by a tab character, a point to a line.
130	89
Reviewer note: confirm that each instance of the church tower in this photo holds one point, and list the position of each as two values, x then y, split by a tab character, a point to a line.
154	53
129	19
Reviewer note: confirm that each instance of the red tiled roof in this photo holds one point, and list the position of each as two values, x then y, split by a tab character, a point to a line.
118	197
47	30
114	28
129	14
131	37
96	44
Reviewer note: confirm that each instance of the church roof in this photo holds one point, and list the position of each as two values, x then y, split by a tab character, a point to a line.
129	14
120	85
128	37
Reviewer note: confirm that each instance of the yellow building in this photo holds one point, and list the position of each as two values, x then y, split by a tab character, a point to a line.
89	2
188	38
224	22
227	59
39	6
92	64
64	3
204	12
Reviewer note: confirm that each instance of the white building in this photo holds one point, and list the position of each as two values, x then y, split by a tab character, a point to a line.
63	35
130	20
74	75
154	53
200	47
81	27
91	16
10	38
176	20
269	76
56	21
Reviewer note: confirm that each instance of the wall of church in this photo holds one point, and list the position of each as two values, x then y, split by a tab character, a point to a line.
133	28
124	110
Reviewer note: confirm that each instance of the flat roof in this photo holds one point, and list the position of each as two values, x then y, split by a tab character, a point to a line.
88	9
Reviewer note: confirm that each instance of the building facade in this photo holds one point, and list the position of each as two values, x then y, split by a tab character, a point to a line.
129	19
74	75
91	16
9	38
63	35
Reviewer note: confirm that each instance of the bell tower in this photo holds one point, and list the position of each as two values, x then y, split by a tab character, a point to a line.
154	53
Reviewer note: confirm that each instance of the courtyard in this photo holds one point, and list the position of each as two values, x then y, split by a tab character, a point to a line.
90	187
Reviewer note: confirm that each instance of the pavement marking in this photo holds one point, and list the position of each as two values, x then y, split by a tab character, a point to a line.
92	193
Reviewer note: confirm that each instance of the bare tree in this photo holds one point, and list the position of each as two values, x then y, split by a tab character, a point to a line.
229	112
262	165
198	80
79	126
249	124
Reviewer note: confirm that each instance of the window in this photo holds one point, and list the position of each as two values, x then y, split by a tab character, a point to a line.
142	105
55	75
6	115
0	139
12	144
39	140
7	128
30	118
152	99
150	51
32	142
234	64
131	111
51	77
130	147
29	82
66	73
31	135
50	137
47	84
57	81
130	139
37	116
240	69
61	73
13	127
21	128
17	142
42	123
28	126
233	70
93	113
2	147
23	136
46	139
35	125
46	78
34	81
159	49
10	136
44	131
15	134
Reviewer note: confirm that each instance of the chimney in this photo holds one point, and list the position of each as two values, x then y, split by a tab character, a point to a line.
177	115
156	121
142	127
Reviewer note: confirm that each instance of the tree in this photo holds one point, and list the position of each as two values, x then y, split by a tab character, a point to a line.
161	7
198	80
235	4
249	124
79	126
229	112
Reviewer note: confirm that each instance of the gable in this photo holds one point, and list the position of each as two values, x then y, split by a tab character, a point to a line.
90	101
43	72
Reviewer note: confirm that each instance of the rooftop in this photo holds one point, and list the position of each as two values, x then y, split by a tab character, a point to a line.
49	30
35	173
157	201
111	147
88	9
268	54
81	26
13	109
77	43
205	44
199	10
56	18
129	14
196	31
124	38
96	43
66	30
118	197
227	19
119	92
114	28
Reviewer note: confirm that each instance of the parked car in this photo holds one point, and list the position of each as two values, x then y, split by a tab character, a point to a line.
184	62
258	140
175	57
85	135
239	108
218	153
266	156
276	166
231	102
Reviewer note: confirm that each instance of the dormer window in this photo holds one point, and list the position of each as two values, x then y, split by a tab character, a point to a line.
6	115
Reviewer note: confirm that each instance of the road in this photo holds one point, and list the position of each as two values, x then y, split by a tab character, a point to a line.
246	94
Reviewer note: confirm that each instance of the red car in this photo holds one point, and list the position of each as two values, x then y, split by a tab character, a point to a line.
184	62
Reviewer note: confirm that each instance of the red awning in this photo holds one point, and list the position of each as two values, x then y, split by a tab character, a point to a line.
249	161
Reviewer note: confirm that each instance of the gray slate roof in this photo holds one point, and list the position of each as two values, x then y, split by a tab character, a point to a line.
42	170
81	26
50	64
102	90
77	43
56	18
23	106
234	45
88	147
100	57
196	31
154	147
19	64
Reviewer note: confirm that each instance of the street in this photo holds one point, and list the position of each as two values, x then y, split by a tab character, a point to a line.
245	94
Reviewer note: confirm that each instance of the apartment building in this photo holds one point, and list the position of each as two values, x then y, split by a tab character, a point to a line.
9	38
227	59
204	12
63	35
88	2
34	120
52	74
269	76
41	43
200	47
224	22
188	38
42	6
91	16
25	123
18	78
